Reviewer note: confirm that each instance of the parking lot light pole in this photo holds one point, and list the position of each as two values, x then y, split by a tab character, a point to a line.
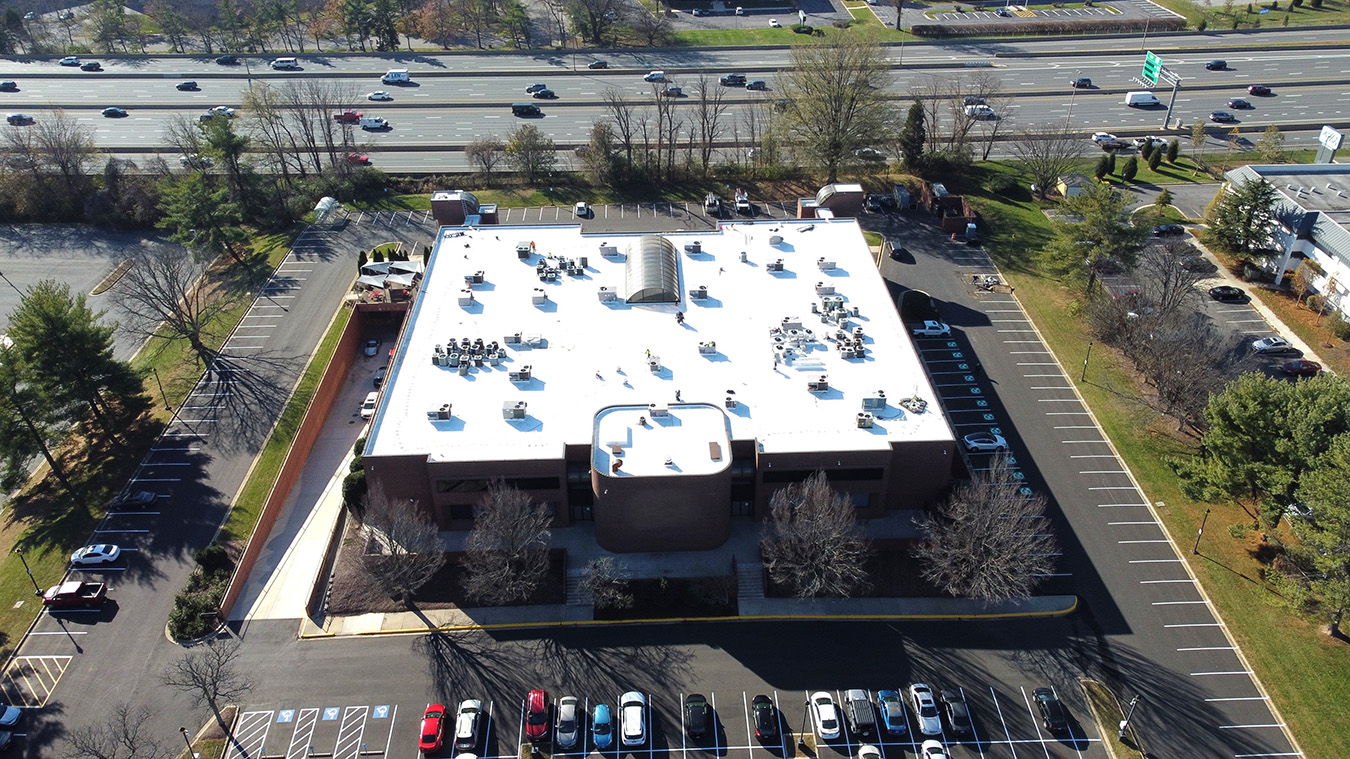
1072	96
191	753
11	284
1125	723
162	396
1083	378
1196	550
36	590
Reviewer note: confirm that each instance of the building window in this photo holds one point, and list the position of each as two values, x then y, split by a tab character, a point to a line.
790	476
480	485
860	500
461	512
581	512
742	508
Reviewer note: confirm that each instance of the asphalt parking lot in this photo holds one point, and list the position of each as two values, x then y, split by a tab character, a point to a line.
1004	722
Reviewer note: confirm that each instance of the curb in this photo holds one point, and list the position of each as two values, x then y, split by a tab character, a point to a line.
1065	605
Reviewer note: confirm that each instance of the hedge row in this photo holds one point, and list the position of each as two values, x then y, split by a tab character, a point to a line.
1049	26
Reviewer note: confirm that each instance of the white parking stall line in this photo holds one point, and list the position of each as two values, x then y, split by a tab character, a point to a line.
1103	471
1283	753
745	707
1067	413
1116	524
1179	603
1155	561
1209	648
1161	582
999	709
1080	442
1093	455
304	730
1126	542
1117	505
1115	487
712	696
1011	342
1249	727
1056	400
1050	387
1239	698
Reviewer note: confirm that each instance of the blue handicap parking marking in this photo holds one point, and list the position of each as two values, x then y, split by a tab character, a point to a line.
380	712
330	713
285	715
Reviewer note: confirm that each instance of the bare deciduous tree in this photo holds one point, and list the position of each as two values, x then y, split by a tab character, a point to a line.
1048	154
838	101
486	154
1167	276
165	298
709	109
409	545
653	27
209	674
988	541
811	542
608	583
123	734
624	117
506	554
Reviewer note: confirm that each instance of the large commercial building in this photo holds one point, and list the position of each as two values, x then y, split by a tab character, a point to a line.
661	385
1313	209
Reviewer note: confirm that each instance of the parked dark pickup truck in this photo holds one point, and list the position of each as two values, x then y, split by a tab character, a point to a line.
75	594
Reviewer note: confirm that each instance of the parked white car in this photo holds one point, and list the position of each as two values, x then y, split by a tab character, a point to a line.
368	405
825	715
633	718
925	708
932	328
92	556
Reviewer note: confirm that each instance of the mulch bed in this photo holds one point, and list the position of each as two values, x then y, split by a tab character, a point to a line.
677	597
892	571
351	593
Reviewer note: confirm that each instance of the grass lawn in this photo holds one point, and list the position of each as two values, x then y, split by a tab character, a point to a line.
249	505
1302	668
1332	12
866	25
44	521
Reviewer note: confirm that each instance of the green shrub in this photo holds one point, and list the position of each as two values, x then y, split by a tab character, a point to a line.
1173	150
353	490
1315	3
841	23
1164	198
1130	169
1316	302
1000	184
1339	326
214	558
802	29
1155	159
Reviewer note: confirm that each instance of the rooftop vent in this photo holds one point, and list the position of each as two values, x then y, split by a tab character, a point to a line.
865	420
440	414
874	401
607	295
824	264
657	409
514	409
819	385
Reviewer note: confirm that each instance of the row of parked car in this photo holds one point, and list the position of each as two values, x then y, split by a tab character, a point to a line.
566	720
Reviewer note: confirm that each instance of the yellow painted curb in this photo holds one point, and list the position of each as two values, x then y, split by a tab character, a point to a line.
683	620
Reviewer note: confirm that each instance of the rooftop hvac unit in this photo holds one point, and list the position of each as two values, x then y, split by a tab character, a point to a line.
865	420
744	257
608	250
582	262
791	323
466	297
824	265
539	297
707	348
824	289
819	385
657	409
775	265
463	368
699	294
440	359
654	363
731	402
873	401
694	248
514	409
512	339
474	279
775	239
523	374
524	248
607	295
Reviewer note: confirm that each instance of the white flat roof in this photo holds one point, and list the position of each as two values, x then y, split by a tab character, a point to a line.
584	354
683	438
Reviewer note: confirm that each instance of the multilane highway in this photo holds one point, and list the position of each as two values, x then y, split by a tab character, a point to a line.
457	98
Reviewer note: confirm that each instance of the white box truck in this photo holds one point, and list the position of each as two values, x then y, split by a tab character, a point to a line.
396	76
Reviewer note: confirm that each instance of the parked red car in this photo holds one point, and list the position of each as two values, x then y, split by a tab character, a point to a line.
433	729
347	116
1301	368
536	715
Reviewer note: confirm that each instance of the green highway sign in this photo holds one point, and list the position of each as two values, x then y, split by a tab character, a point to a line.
1151	65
